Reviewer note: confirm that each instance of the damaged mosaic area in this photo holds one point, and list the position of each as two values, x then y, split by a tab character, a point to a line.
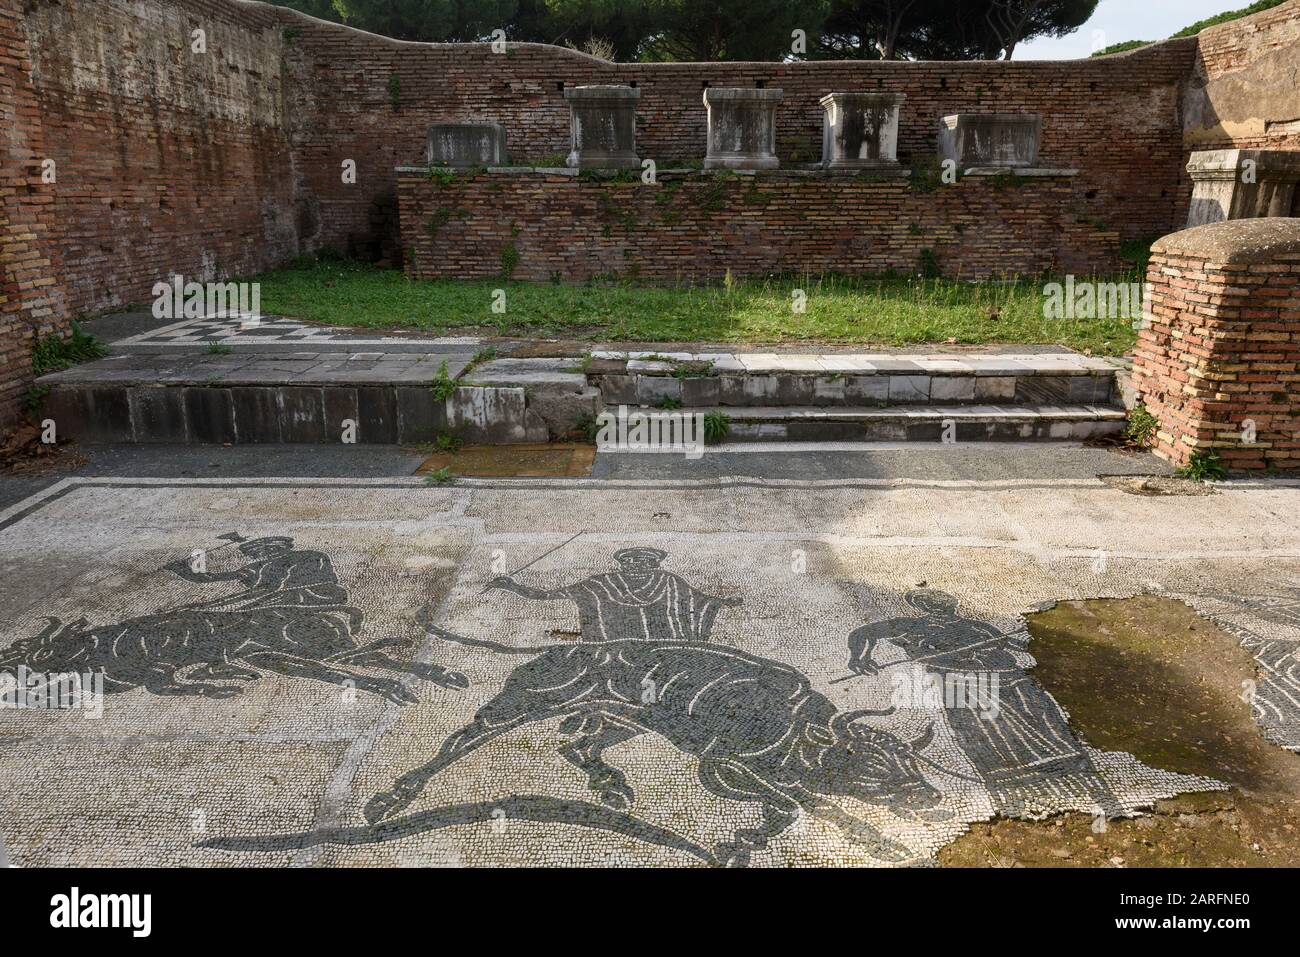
1267	621
566	672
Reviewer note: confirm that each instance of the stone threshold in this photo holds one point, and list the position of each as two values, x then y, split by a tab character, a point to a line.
864	363
931	424
928	413
262	369
390	397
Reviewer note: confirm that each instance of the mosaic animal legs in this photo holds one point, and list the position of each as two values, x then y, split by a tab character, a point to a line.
585	753
732	780
297	667
411	784
432	673
161	680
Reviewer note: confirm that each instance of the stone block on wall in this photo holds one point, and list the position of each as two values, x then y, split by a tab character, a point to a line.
603	127
860	130
1241	184
466	144
741	128
990	139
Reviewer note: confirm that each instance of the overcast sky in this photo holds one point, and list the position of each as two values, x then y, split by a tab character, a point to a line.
1118	20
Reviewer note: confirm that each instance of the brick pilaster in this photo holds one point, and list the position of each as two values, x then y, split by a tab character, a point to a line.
1219	357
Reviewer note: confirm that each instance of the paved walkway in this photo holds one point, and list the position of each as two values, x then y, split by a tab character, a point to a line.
651	671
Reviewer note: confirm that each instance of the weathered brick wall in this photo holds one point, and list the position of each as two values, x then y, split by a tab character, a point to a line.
32	300
168	160
1243	91
1116	119
1220	353
702	224
230	161
177	159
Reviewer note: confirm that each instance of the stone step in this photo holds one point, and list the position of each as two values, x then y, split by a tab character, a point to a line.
960	423
969	362
376	398
847	379
391	398
384	414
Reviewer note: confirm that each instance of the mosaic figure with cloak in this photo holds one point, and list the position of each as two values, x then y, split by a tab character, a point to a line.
640	601
1022	745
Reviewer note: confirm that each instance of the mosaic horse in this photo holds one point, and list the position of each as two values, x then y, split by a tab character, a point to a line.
758	729
290	618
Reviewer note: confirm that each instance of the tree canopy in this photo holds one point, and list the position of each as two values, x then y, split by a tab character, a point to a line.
727	29
1226	17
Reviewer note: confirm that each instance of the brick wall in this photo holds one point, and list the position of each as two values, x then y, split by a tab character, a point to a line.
699	225
229	161
1242	92
31	297
1116	119
1221	350
169	160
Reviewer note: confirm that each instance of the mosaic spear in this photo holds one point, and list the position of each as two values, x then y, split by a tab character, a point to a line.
551	551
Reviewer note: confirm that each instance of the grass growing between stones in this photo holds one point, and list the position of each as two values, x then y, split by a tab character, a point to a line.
885	311
54	353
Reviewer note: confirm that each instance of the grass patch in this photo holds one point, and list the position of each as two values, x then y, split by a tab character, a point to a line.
1141	426
54	353
447	442
717	425
443	384
1204	466
509	260
691	370
1121	47
1138	252
840	309
588	426
36	395
486	354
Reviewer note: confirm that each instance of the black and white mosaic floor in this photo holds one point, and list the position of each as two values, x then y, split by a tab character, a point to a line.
267	330
377	672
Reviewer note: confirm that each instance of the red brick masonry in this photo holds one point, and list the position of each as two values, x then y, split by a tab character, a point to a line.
699	225
1221	351
226	162
31	298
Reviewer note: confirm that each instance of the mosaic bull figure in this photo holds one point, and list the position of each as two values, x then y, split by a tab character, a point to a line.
758	729
291	617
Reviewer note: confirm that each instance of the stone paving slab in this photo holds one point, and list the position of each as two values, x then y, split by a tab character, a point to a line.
888	381
588	673
921	424
866	363
261	369
921	413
